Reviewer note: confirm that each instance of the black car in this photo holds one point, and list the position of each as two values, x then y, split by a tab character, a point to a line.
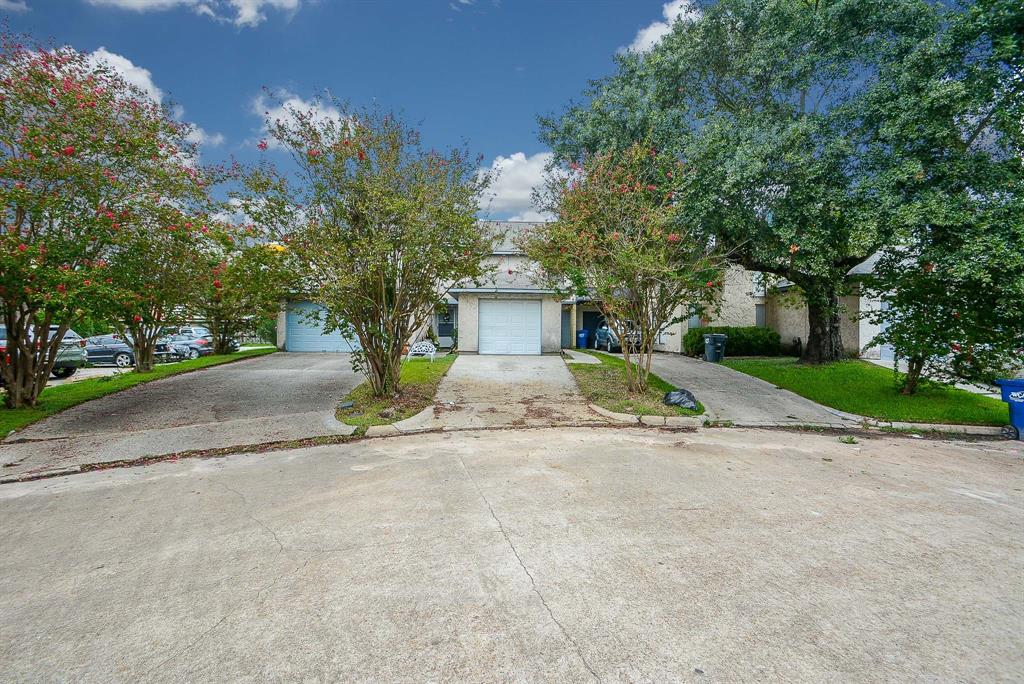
106	350
606	339
188	347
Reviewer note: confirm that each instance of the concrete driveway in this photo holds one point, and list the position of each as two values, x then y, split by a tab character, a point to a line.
729	395
570	554
277	397
507	391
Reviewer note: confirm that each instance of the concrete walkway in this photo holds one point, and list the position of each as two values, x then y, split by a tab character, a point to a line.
482	391
732	396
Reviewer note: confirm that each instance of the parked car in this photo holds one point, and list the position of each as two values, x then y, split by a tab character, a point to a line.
70	357
605	338
188	347
190	330
106	350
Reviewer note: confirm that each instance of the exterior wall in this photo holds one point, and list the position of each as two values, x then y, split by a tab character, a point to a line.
867	330
551	325
787	315
469	310
469	320
282	325
671	338
738	304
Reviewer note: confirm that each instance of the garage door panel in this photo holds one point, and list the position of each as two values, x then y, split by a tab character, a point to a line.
304	334
509	326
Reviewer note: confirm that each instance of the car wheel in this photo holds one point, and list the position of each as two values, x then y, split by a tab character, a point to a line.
122	360
193	353
66	372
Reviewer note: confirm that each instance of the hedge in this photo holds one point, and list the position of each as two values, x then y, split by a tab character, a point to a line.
743	341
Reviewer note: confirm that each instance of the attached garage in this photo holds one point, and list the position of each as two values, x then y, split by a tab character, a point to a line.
304	334
510	326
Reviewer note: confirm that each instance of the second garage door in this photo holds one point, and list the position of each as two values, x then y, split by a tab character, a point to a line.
509	326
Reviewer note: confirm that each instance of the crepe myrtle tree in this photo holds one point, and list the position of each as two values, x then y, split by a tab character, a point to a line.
379	226
246	278
618	238
770	105
952	153
79	147
158	277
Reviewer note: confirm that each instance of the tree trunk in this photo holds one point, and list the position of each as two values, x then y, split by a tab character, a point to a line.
824	338
915	365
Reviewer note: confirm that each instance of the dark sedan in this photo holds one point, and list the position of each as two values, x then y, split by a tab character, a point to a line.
107	350
188	347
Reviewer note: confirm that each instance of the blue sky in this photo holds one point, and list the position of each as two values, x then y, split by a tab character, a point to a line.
477	71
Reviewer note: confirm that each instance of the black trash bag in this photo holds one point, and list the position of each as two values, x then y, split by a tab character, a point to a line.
681	397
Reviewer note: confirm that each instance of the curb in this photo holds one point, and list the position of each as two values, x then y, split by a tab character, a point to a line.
987	430
653	421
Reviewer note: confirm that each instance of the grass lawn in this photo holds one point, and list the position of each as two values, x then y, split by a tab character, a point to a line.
868	390
56	399
419	381
605	385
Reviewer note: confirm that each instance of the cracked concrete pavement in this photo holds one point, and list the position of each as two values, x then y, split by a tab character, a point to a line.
574	554
270	398
507	391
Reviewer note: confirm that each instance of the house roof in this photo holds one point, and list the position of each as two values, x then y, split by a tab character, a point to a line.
509	233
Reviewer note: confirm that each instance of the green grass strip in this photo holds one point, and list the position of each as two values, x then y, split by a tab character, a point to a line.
418	382
604	384
869	390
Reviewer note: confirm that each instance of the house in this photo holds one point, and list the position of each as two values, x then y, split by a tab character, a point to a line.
786	313
513	311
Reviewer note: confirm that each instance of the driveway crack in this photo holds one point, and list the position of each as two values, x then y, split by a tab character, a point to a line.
533	582
252	517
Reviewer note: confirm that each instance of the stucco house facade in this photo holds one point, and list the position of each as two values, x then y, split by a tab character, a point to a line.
512	312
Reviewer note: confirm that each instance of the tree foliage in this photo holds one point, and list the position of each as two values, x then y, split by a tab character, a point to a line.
80	151
379	226
245	279
770	103
619	238
950	152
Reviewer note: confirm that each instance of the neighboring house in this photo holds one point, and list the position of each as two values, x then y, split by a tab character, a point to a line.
787	315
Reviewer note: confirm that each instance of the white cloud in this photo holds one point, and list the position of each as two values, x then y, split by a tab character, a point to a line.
200	137
135	75
14	6
516	177
143	79
282	110
647	37
241	13
532	215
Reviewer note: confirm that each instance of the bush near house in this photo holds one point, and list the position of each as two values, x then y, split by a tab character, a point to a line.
743	341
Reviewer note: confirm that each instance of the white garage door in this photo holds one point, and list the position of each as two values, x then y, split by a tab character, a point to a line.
305	334
509	326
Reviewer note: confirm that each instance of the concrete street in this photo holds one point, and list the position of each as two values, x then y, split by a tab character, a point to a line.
269	398
575	554
729	395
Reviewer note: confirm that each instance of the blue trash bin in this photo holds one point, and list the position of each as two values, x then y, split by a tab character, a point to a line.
581	338
1013	394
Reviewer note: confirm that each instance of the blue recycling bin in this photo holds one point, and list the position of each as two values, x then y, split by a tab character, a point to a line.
1013	394
581	338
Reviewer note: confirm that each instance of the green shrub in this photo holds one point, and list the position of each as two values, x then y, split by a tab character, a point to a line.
743	341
